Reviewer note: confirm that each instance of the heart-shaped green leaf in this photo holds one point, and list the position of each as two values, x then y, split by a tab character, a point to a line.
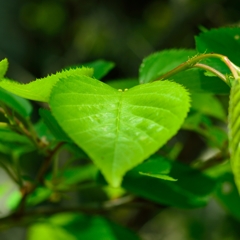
118	129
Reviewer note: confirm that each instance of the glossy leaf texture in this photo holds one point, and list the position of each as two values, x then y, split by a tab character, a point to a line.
3	67
39	90
69	226
225	41
18	104
162	62
234	133
118	129
192	188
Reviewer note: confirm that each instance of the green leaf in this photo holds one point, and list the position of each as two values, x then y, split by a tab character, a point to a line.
197	82
214	135
11	142
3	67
194	80
101	68
225	41
53	125
209	105
74	175
18	104
43	131
39	195
123	83
40	89
234	132
78	226
160	176
162	62
118	129
193	189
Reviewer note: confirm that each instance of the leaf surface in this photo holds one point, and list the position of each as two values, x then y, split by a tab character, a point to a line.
192	189
225	41
18	104
118	129
39	90
234	132
101	68
3	67
194	79
162	62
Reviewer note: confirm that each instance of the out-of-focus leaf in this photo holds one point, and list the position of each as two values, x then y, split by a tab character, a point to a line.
197	82
78	226
74	175
123	83
214	135
101	68
39	195
3	67
225	41
11	142
226	191
18	104
53	125
193	189
208	104
227	194
160	176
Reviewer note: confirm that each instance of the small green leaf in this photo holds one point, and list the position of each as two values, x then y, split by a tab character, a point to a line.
39	195
74	175
11	142
162	62
40	89
18	104
234	133
225	41
118	129
193	189
209	105
3	67
123	83
160	176
101	68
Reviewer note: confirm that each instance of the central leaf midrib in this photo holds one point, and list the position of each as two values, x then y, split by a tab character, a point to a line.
119	107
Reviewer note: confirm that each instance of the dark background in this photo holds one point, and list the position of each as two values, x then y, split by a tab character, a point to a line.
41	37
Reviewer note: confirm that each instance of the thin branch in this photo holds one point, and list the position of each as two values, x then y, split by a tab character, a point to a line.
195	60
210	69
